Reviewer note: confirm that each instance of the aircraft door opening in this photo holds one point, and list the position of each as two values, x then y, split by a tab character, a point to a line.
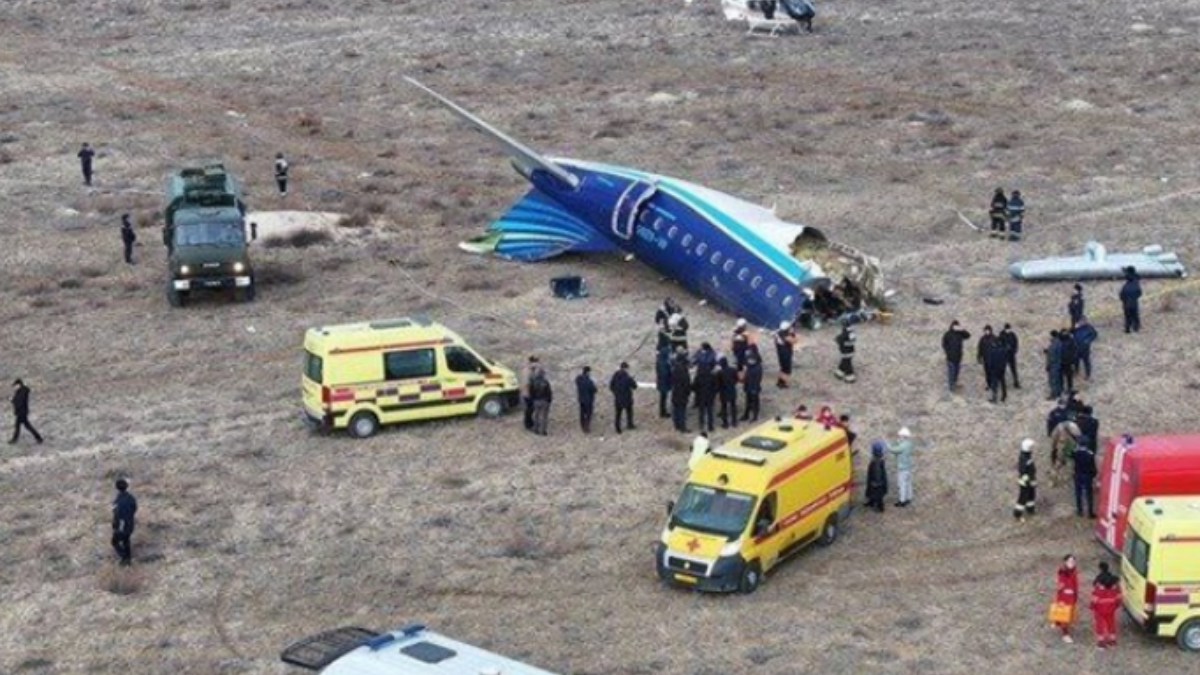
629	206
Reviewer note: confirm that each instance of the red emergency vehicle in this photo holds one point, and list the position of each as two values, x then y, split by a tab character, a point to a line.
1142	466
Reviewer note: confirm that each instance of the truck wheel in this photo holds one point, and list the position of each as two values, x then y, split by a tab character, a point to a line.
363	424
830	532
1188	636
174	297
751	578
491	407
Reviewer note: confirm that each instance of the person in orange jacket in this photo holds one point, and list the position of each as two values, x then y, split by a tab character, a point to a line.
1066	592
1106	600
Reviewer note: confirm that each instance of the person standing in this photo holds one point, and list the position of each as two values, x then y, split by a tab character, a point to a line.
952	347
704	385
1026	482
998	212
1054	366
542	394
1016	216
281	173
585	392
1075	305
785	348
727	386
681	391
661	318
1085	477
700	447
128	237
1070	358
1066	593
532	368
622	385
1089	429
677	330
20	405
86	154
845	342
752	385
1131	293
983	347
662	378
994	362
903	450
1084	335
740	343
124	518
877	480
1011	346
1106	600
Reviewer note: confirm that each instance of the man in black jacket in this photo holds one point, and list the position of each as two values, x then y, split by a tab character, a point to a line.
1085	476
1011	346
585	391
983	348
124	513
1089	428
1070	358
952	346
993	370
1131	293
1075	305
622	385
727	382
681	391
128	237
704	384
20	404
86	154
543	395
998	211
752	385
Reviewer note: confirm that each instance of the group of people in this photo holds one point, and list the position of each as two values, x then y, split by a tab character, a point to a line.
1104	603
537	394
997	353
877	474
1073	431
1007	214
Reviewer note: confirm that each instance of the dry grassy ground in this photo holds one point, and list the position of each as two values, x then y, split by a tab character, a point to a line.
254	533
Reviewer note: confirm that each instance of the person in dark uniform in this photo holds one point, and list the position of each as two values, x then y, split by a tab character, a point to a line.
124	518
1026	482
1012	345
1089	428
727	385
1054	366
877	480
86	154
983	347
662	378
952	347
677	330
1084	334
845	343
622	385
1085	475
752	385
768	8
281	174
994	362
704	385
543	395
585	391
740	342
1070	358
531	370
20	404
1059	414
998	211
785	349
1075	305
681	391
128	237
1016	216
661	317
1131	293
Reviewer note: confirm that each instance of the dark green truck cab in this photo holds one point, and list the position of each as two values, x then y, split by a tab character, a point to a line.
205	235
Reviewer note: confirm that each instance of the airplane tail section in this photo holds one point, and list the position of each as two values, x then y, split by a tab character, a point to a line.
525	158
537	228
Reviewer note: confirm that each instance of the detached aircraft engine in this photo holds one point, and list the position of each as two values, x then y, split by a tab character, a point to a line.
739	255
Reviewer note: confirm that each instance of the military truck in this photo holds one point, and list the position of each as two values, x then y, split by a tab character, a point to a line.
205	234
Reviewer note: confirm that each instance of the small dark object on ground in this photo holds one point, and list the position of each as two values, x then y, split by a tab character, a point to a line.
569	288
932	301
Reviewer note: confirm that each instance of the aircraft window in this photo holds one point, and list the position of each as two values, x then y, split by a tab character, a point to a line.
672	232
657	223
756	282
744	274
701	248
772	290
729	265
788	301
716	258
686	241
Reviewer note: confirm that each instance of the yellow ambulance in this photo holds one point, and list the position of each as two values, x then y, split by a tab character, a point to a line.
359	376
754	501
1160	568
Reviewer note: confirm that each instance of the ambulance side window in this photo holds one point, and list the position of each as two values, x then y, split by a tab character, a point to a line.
766	516
459	360
410	364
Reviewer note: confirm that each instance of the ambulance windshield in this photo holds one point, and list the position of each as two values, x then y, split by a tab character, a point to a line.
714	511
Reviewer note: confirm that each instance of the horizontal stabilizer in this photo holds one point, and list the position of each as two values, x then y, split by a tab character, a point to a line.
521	154
537	228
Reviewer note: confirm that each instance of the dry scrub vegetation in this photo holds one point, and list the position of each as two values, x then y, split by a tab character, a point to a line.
255	533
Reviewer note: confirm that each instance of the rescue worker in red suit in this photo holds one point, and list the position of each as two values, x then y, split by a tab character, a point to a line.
1066	592
1106	600
826	417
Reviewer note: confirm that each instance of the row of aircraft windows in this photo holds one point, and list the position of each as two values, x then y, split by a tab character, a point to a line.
717	257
